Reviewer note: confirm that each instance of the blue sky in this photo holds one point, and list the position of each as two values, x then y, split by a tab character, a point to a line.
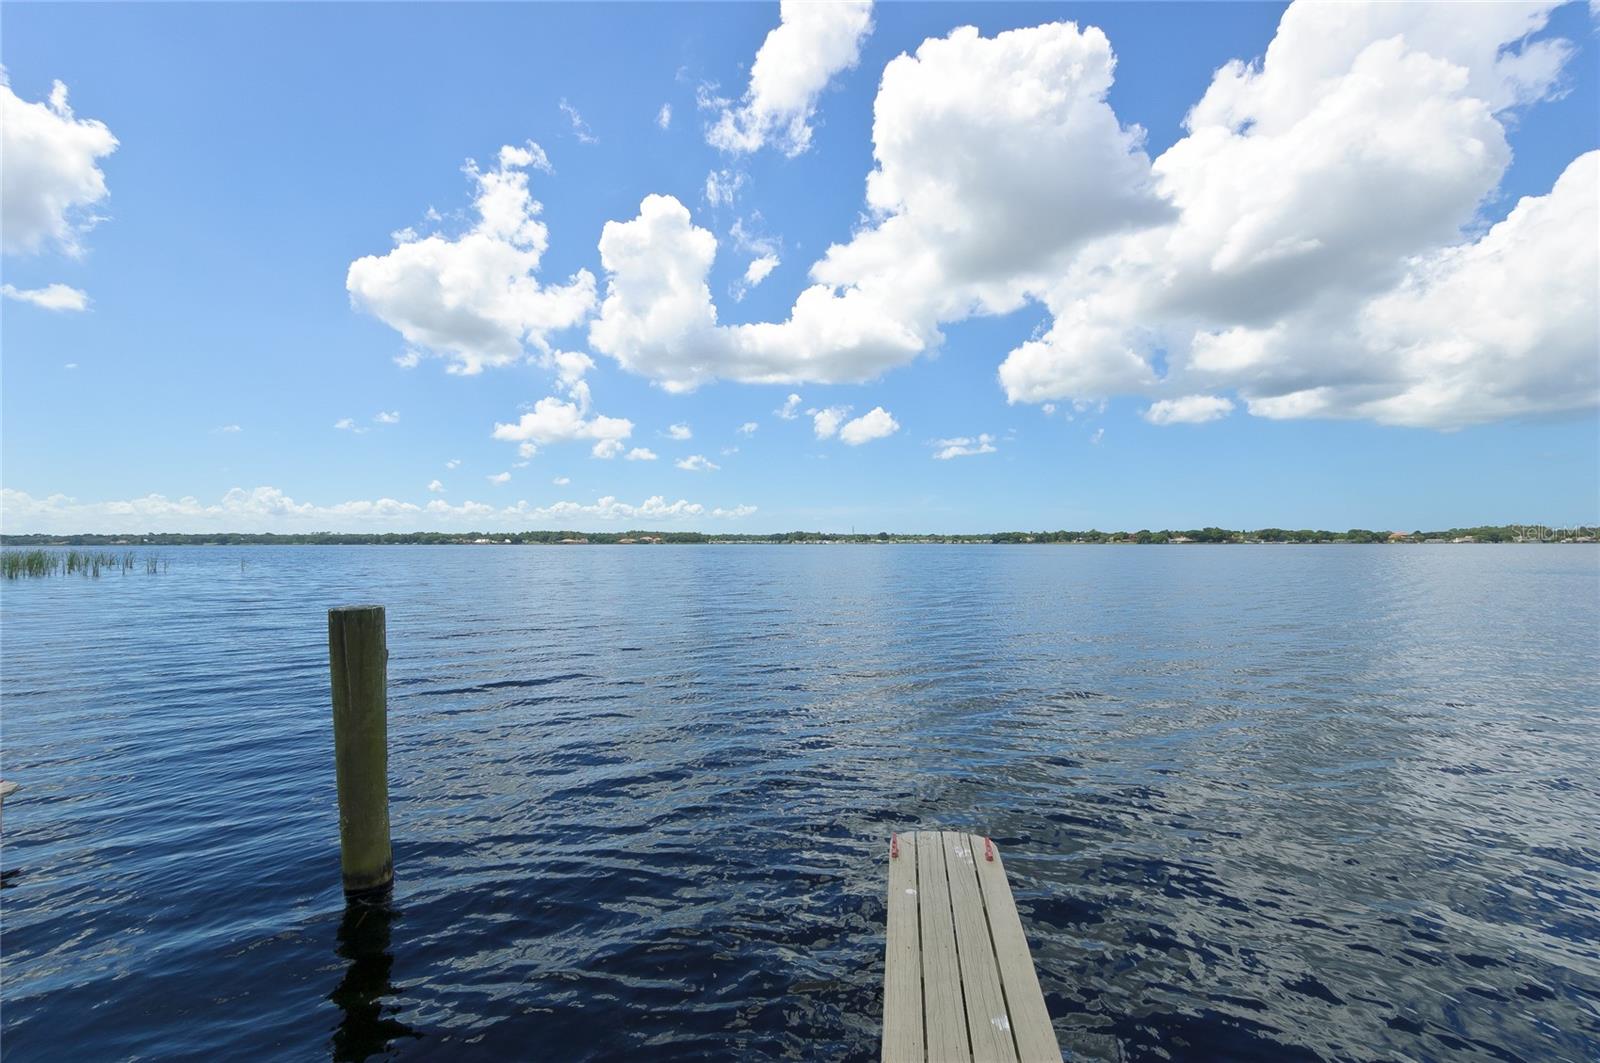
1328	286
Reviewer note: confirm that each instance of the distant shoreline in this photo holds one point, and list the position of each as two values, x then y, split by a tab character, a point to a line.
1508	533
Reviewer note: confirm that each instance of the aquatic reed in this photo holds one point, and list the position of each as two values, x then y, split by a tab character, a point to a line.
16	564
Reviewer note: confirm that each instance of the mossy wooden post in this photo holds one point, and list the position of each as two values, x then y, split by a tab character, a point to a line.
358	658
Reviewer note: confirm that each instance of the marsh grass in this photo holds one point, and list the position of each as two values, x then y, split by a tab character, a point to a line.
16	564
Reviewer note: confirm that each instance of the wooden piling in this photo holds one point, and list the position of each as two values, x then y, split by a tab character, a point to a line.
358	660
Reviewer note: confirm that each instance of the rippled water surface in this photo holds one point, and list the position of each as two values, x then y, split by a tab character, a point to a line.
1256	802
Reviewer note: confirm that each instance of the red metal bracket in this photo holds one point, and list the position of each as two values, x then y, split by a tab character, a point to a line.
894	847
988	850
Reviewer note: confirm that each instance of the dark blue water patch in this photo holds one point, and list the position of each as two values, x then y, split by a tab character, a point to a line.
1207	1033
643	813
1309	985
506	684
1578	859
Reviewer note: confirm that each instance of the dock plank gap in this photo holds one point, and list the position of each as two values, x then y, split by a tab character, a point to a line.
958	979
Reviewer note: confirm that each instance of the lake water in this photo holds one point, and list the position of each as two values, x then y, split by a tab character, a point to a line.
1256	802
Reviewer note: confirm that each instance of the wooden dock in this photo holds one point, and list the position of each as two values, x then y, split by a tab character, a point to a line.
958	980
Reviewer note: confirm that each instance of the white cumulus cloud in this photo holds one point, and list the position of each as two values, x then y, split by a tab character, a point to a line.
658	318
553	420
50	297
697	463
813	43
1190	409
757	271
749	428
641	454
1318	260
875	424
499	478
270	509
996	159
51	181
475	299
1505	326
790	408
435	486
680	431
963	446
825	422
664	116
1320	243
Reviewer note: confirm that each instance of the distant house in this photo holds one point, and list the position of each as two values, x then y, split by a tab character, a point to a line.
1178	539
574	542
1399	537
627	542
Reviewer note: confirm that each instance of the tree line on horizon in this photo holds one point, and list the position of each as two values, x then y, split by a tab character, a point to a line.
1213	535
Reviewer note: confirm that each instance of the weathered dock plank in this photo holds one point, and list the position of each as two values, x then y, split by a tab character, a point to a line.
1030	1021
959	982
942	1012
902	982
988	1024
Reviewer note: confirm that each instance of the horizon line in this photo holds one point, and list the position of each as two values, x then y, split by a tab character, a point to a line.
1207	534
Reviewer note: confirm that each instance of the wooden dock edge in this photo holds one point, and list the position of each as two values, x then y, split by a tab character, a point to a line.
959	981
